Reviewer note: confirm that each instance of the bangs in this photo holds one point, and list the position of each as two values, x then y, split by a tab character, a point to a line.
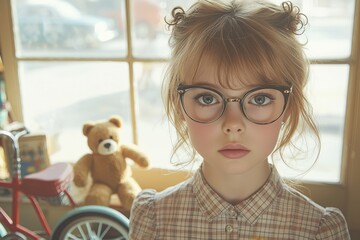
243	53
245	59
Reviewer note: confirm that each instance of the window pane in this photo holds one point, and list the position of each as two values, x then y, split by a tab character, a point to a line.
327	94
150	36
58	98
82	28
156	135
153	126
329	33
330	28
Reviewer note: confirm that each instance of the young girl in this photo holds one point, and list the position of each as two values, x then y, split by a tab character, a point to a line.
234	91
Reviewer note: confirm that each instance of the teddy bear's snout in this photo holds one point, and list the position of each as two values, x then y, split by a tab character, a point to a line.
107	146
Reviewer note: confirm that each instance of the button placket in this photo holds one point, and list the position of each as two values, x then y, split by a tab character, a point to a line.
231	226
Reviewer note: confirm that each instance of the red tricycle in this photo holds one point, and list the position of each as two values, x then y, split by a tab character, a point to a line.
52	184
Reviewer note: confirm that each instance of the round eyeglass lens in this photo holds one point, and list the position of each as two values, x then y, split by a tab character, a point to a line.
264	105
202	105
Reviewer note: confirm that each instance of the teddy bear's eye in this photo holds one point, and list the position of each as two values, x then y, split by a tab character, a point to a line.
111	137
100	140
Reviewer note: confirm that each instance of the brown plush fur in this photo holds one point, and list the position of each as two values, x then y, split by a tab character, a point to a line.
109	170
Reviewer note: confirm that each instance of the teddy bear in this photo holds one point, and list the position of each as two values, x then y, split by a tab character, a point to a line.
107	165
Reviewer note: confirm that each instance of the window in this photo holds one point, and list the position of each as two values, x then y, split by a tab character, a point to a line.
82	60
68	62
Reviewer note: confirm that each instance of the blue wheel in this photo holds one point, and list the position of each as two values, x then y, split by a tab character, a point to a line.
92	222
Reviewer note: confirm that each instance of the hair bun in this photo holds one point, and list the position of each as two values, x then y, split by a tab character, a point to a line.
177	14
296	21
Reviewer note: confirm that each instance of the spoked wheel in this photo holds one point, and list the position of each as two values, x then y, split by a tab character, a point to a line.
92	222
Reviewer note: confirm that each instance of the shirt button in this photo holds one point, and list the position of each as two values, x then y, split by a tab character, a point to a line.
229	228
232	213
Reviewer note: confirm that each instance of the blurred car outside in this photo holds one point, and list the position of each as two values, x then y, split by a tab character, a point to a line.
147	16
59	24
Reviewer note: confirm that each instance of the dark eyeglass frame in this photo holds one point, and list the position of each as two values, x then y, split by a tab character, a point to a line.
285	90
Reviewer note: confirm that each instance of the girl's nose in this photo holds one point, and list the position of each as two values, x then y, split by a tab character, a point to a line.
233	119
230	130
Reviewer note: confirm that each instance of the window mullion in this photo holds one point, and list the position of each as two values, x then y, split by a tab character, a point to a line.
7	46
352	134
130	60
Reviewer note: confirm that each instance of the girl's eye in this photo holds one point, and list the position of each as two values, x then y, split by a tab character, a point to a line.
260	100
206	99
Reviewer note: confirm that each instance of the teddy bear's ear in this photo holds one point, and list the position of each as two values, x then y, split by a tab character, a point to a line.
86	128
116	121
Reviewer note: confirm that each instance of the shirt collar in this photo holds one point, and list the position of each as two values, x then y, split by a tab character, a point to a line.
212	205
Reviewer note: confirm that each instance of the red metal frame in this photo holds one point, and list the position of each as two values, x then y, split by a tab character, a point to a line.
16	185
13	222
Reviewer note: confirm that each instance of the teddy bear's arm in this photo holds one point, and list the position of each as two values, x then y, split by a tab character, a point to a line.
81	170
131	151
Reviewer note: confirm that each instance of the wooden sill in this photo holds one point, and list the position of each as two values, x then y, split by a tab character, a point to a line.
159	179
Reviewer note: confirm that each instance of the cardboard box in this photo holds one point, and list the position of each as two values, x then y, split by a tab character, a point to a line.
33	153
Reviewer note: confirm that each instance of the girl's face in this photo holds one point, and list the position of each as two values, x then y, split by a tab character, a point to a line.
232	144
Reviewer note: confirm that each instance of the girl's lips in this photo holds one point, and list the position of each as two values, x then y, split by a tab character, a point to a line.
234	151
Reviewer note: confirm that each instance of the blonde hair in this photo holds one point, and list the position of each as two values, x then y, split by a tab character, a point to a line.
252	39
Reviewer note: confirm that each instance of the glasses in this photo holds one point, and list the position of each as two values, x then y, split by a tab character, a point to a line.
260	105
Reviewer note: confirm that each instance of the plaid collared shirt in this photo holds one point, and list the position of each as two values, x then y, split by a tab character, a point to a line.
192	210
